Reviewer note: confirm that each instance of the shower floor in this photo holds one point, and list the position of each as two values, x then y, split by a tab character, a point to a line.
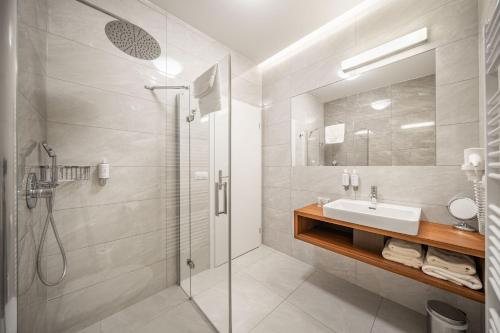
169	311
272	293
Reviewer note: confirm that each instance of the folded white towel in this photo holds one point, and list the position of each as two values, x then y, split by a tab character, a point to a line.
334	133
470	281
451	261
206	89
405	248
402	259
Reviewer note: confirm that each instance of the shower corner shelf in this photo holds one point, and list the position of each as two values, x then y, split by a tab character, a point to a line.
67	173
312	227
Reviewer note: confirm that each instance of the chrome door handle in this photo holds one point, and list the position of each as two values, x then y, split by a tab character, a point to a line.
224	209
220	185
217	199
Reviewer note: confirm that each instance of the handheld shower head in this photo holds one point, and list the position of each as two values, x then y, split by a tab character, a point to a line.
52	154
49	149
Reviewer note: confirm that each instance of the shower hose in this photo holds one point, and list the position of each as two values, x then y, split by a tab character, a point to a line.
50	221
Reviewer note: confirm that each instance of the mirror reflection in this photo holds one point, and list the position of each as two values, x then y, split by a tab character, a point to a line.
385	116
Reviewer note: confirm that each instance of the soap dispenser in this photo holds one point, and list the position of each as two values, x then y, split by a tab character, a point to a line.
355	180
346	179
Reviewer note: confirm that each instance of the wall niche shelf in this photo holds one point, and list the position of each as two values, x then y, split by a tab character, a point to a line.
312	227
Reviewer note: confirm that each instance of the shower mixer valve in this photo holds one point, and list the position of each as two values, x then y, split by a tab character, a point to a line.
42	188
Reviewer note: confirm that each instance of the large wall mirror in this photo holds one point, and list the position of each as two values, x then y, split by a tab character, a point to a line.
385	116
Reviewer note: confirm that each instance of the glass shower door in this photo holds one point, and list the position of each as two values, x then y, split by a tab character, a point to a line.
204	145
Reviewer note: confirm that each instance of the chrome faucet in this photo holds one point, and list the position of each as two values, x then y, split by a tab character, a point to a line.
373	197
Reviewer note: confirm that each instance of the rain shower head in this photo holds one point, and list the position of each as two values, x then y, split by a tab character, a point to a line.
132	40
128	37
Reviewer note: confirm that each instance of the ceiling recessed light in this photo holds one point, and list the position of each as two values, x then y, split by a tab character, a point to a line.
418	125
380	104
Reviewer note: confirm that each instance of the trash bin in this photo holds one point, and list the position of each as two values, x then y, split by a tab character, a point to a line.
444	318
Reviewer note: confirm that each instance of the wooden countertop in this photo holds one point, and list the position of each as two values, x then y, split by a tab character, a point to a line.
434	234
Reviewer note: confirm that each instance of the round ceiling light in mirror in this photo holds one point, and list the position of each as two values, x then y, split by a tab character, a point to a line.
381	104
463	209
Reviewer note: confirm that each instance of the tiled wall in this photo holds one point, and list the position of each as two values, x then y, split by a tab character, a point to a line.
31	117
382	141
453	27
121	238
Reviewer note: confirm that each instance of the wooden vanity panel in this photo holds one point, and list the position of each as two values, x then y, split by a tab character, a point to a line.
310	227
434	234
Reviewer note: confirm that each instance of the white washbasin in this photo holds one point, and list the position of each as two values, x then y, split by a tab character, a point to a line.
402	219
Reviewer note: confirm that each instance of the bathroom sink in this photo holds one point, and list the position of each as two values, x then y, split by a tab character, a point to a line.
396	218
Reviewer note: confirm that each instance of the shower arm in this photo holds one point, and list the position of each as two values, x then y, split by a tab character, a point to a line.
102	10
165	87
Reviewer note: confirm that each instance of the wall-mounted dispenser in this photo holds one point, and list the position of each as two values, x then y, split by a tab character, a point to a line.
103	172
346	179
474	168
355	180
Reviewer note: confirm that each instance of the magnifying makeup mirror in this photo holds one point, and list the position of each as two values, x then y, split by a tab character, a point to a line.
463	209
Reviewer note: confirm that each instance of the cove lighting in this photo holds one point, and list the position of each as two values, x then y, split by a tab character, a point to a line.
385	50
418	125
320	34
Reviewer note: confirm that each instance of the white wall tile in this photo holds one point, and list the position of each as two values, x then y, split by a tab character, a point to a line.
278	155
451	140
276	113
457	102
457	61
276	134
276	176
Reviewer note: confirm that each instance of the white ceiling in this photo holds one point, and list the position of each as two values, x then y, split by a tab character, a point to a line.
257	28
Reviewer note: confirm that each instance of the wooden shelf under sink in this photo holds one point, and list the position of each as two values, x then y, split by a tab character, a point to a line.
312	227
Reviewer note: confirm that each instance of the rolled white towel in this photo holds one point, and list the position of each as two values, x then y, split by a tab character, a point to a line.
407	261
451	261
470	281
405	248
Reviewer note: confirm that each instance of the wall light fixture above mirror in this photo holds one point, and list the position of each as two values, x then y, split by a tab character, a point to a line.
385	50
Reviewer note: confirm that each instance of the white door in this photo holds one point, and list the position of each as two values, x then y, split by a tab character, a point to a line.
246	193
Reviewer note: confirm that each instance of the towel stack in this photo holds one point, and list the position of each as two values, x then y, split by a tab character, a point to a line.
403	252
451	266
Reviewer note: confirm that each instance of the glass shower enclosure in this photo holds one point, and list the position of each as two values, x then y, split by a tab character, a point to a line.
123	169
